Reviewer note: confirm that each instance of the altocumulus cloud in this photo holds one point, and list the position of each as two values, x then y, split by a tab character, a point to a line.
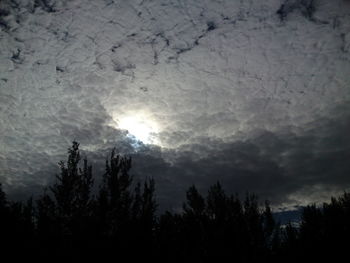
251	93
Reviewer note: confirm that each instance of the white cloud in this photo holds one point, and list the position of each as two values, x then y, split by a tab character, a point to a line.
66	70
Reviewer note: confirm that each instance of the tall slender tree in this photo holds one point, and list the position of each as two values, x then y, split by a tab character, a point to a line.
72	193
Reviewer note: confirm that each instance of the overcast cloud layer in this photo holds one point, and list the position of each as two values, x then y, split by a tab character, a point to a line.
252	93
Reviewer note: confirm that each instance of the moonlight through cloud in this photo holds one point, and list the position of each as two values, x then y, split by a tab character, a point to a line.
253	94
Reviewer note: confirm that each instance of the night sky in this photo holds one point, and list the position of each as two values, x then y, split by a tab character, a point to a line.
254	94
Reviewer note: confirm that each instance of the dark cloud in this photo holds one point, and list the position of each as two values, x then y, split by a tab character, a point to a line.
284	167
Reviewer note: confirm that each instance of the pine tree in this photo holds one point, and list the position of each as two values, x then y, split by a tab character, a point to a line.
46	217
3	200
4	215
195	205
72	193
217	202
269	225
115	198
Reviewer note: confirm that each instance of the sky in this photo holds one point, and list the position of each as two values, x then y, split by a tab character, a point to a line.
254	94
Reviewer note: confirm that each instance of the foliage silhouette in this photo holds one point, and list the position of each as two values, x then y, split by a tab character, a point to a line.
69	222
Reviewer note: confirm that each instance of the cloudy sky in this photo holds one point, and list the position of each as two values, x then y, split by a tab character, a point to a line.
254	94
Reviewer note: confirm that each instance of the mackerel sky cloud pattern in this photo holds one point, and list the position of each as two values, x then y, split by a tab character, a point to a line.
252	93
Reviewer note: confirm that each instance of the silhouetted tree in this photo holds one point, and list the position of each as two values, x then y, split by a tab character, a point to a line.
72	192
124	215
195	223
3	201
115	198
270	232
19	233
195	205
4	217
148	205
68	222
290	248
269	225
171	239
47	221
217	203
144	222
324	231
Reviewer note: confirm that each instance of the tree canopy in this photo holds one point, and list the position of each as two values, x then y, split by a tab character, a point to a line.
72	221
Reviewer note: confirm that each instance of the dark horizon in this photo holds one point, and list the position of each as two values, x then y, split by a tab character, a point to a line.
69	222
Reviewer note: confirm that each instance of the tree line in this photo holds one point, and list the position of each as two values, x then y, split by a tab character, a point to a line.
71	222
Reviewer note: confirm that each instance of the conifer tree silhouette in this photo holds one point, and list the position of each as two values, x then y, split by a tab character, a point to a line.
47	223
195	205
126	217
115	198
68	222
269	226
217	203
148	205
144	227
4	215
71	193
3	200
195	225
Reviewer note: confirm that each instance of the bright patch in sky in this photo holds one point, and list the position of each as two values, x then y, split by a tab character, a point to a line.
140	127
